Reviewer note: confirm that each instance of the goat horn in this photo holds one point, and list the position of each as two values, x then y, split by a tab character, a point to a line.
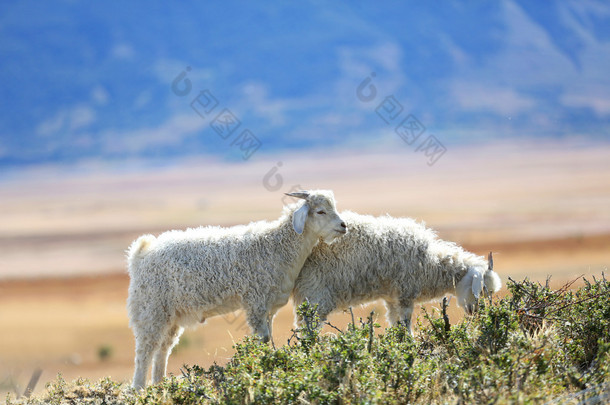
299	194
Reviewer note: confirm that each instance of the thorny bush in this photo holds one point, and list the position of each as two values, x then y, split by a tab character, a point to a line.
533	345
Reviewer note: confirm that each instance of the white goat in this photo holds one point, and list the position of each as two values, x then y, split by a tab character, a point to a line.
394	259
183	277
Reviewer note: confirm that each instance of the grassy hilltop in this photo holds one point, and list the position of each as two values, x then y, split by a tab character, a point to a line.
535	345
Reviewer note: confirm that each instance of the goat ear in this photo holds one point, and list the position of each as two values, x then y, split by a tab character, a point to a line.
299	194
299	217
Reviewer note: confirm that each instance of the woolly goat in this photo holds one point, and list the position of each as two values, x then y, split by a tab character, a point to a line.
180	278
394	259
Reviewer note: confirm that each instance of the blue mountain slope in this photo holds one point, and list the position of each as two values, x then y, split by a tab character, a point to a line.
81	80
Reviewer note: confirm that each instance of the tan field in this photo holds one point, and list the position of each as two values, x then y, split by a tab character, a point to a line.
542	208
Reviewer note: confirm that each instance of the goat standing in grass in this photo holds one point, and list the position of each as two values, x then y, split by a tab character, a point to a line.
394	259
180	278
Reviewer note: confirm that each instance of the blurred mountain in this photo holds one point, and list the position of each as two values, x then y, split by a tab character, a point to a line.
82	80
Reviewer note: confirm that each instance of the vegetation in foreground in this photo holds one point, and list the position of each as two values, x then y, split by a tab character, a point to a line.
535	345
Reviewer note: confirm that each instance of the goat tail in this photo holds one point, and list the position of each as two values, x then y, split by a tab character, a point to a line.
138	250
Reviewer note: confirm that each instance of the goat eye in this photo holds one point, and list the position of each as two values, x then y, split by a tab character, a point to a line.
321	212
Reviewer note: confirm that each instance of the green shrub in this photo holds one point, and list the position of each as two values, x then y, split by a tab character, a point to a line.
104	352
531	346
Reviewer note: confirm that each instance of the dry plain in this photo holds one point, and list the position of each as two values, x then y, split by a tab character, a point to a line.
542	207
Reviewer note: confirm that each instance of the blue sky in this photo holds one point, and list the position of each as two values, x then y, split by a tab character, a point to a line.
85	80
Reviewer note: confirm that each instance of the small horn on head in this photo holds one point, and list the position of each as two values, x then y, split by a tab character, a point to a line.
490	262
299	194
